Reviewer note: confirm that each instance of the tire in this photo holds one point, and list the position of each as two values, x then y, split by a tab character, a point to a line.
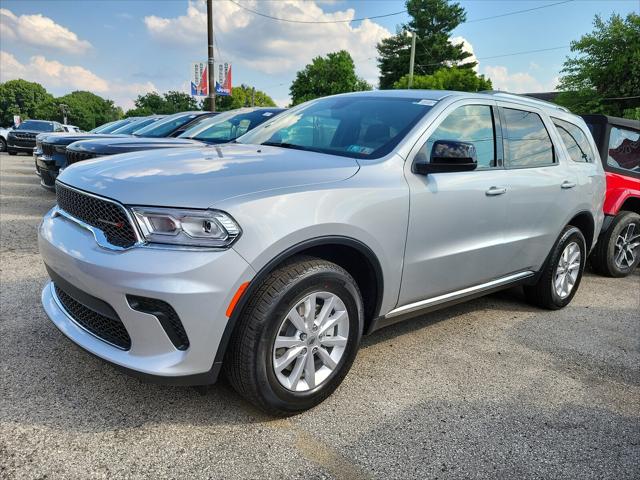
12	152
545	293
252	357
3	145
603	258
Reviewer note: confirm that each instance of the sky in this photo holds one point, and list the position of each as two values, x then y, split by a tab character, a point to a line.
120	49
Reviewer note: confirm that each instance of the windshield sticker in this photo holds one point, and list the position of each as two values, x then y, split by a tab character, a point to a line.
267	114
428	103
360	149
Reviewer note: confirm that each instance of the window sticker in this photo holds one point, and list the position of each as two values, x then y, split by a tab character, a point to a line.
360	149
267	114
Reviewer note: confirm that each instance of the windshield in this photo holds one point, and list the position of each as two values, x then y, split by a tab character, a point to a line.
134	126
350	126
37	125
228	126
99	128
115	125
167	125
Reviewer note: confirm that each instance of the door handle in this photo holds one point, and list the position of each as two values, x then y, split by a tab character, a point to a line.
495	191
567	184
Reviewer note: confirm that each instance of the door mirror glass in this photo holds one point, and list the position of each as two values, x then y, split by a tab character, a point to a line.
448	156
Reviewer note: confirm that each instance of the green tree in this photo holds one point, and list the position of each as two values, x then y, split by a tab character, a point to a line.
460	79
605	75
432	21
20	97
328	75
86	110
171	102
240	97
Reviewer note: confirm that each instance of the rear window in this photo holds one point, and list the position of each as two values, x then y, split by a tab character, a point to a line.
351	126
36	125
575	140
527	142
624	149
167	126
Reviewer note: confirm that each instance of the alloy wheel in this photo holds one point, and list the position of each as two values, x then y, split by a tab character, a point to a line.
567	270
310	342
626	247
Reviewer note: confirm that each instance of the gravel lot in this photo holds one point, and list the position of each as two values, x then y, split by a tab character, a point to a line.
488	389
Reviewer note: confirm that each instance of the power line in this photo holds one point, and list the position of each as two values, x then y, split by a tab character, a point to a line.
314	21
288	20
504	55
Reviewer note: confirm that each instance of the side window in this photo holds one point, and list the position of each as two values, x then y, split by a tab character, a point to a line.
624	149
526	140
469	123
575	140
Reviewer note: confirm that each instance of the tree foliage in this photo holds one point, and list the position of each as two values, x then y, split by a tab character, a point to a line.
87	110
171	102
454	78
606	69
432	21
328	75
240	97
19	97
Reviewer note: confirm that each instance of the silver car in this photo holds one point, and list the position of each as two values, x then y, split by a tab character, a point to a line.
269	258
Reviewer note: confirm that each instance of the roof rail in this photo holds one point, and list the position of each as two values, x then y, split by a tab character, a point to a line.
525	98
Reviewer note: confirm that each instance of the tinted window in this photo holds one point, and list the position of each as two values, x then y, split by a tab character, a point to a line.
351	126
116	125
36	125
624	149
526	140
575	140
166	126
228	126
472	124
133	126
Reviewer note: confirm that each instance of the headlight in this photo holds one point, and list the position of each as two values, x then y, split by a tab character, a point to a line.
195	228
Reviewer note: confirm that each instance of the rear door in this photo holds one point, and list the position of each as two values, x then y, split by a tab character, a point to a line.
541	188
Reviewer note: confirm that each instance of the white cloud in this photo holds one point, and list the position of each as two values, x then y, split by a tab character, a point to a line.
466	47
270	46
518	82
40	31
54	75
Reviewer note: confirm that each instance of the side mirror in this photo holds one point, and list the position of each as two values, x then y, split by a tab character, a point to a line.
448	156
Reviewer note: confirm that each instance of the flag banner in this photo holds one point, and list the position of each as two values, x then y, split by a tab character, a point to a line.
223	80
199	80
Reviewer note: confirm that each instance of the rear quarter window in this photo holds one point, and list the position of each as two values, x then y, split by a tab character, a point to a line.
575	140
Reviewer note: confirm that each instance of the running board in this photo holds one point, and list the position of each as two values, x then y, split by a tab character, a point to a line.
423	306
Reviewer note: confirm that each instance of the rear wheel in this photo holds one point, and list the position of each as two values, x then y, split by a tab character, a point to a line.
617	252
297	336
560	278
3	145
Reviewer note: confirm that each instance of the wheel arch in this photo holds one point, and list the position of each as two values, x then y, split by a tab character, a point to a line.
351	254
631	204
586	224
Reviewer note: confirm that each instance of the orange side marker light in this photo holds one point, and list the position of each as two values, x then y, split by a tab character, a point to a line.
236	298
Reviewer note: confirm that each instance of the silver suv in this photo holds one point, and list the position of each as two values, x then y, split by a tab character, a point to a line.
269	258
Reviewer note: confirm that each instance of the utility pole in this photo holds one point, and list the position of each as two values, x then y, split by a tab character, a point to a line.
413	58
210	67
253	96
65	111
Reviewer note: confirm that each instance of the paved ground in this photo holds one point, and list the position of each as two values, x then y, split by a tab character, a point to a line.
488	389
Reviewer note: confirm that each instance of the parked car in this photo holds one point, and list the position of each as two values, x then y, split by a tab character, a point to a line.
218	129
23	137
54	147
269	257
3	138
71	129
618	250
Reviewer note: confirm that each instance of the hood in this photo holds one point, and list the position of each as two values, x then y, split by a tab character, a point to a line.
114	146
66	139
202	177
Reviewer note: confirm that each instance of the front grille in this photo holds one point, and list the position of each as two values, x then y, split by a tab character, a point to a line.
111	330
75	156
48	177
25	135
166	315
104	215
48	149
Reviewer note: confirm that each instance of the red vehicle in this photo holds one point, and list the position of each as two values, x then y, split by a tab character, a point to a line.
617	252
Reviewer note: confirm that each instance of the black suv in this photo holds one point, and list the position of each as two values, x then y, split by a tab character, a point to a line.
23	137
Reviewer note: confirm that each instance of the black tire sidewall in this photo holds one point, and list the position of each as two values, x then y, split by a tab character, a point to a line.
620	224
3	145
269	386
570	235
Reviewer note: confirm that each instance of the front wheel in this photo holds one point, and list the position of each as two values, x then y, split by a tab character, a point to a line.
297	336
3	145
12	152
617	252
561	275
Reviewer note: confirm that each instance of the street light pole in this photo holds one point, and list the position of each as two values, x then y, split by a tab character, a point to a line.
210	67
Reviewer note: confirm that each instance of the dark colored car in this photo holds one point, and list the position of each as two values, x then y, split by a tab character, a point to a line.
617	252
222	128
23	137
54	148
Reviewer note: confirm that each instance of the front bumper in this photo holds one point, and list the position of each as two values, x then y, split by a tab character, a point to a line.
21	146
199	285
48	170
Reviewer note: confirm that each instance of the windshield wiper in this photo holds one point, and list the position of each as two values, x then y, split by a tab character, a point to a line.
292	146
